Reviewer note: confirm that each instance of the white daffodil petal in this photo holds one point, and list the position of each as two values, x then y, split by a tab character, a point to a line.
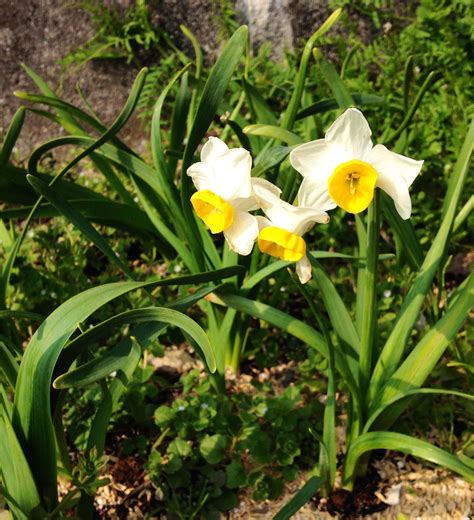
313	194
246	204
202	175
213	149
317	159
232	174
266	193
262	222
395	174
243	233
351	132
295	219
303	269
395	164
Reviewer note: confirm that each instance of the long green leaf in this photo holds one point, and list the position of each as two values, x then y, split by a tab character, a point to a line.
303	496
147	197
295	101
128	161
32	415
67	120
342	95
104	212
16	473
274	132
214	90
75	347
286	322
421	361
269	158
114	359
404	230
406	444
275	317
429	82
166	177
179	120
394	347
11	137
8	365
82	224
332	104
14	188
410	393
338	313
259	108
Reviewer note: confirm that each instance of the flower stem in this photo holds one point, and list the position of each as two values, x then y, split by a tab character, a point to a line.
369	316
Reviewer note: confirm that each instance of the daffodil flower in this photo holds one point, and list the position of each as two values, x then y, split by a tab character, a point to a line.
225	193
344	168
281	232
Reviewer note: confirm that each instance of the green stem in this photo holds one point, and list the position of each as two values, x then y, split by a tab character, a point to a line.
369	315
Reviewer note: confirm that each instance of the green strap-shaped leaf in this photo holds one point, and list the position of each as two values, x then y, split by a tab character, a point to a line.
166	175
325	105
395	345
338	314
405	232
406	444
214	90
258	106
295	101
116	358
273	132
15	188
303	496
430	80
410	393
32	415
75	347
103	212
11	137
66	118
293	326
113	360
339	89
147	198
8	365
421	361
16	474
179	121
83	225
268	158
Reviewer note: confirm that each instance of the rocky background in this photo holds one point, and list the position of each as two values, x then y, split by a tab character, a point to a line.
40	33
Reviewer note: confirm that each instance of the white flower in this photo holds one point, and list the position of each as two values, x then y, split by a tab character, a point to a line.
344	168
281	232
225	193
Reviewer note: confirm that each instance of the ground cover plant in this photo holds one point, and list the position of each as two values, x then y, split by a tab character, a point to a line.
372	349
